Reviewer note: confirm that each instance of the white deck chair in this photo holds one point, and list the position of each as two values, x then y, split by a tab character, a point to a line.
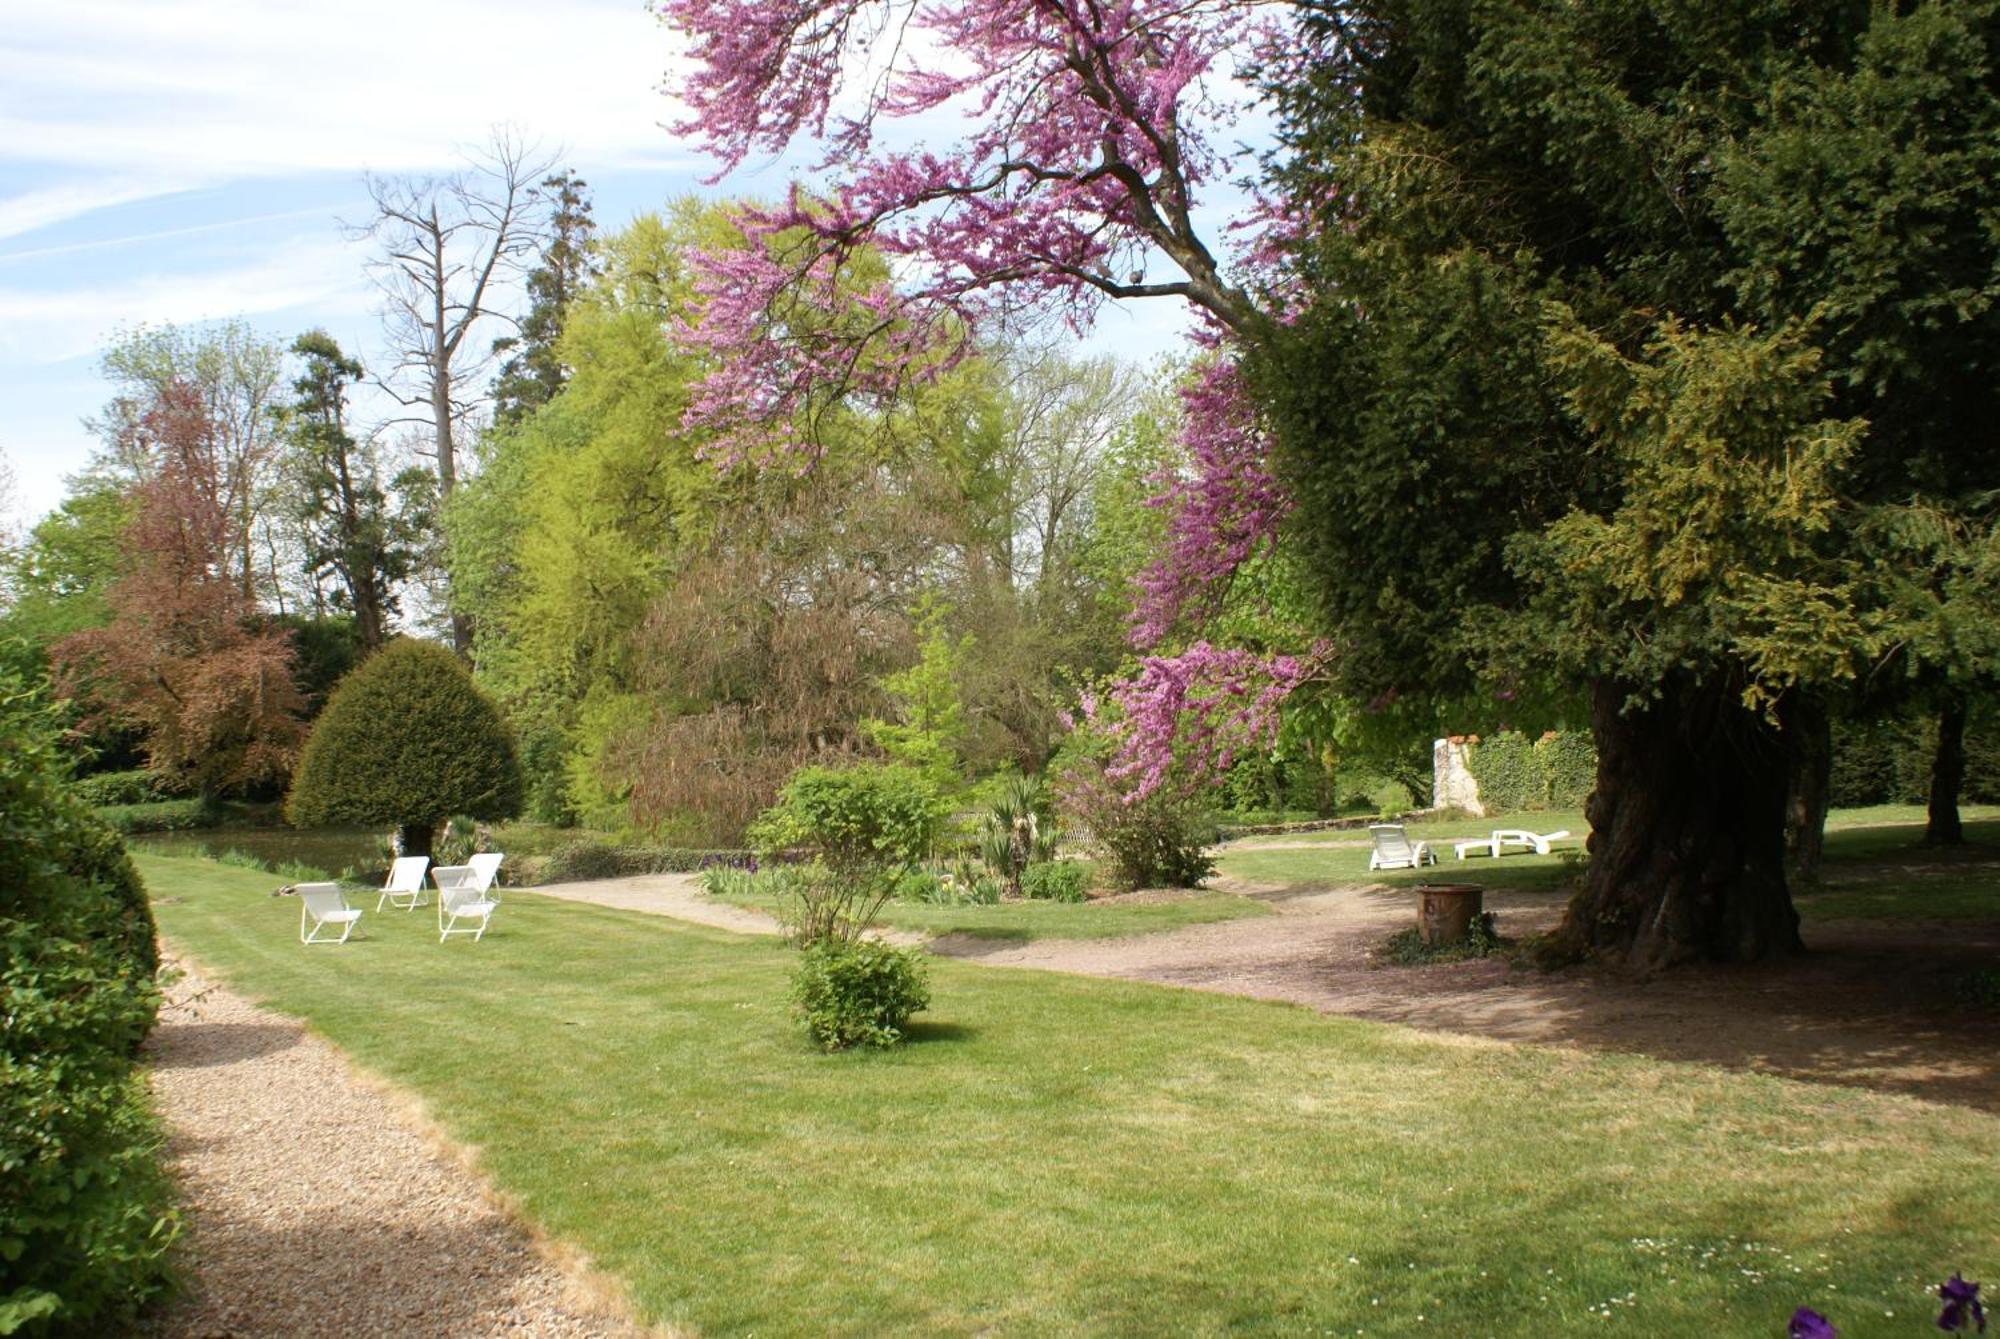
1395	850
323	905
405	886
1538	842
487	865
460	899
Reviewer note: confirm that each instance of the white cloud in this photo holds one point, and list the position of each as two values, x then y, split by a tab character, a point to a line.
50	205
224	89
44	326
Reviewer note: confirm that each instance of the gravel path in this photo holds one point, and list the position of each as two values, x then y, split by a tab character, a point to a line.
380	1234
676	895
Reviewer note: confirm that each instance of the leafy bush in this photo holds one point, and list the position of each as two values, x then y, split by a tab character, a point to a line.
1056	881
1158	840
406	739
869	824
1020	828
864	817
858	994
138	786
160	816
86	1214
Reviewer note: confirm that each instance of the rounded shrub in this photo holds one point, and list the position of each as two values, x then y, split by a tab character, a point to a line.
407	739
858	994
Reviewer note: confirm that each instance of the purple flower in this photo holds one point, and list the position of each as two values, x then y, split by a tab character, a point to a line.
1809	1324
1962	1310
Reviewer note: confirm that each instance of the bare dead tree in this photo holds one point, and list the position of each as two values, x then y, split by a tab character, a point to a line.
446	248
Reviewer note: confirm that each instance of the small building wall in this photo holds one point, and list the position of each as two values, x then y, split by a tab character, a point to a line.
1452	783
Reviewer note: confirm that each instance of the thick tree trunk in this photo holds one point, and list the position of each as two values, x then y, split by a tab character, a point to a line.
1947	775
415	838
1808	735
1687	844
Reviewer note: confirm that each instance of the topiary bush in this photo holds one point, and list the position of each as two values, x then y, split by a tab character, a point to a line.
407	739
858	994
86	1213
1056	881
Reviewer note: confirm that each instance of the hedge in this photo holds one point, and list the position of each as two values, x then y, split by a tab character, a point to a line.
159	816
139	786
86	1212
1516	774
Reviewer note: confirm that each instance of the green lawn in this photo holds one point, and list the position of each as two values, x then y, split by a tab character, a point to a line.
1023	921
1058	1155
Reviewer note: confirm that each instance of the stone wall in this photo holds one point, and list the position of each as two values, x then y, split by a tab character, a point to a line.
1452	783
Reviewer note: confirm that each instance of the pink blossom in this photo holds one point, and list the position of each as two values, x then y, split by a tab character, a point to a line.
1221	512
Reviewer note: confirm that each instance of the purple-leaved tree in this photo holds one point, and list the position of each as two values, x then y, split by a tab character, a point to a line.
1090	131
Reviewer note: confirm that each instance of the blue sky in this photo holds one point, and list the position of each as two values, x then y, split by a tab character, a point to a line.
190	160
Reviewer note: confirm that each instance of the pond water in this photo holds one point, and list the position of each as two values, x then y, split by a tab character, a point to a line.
330	850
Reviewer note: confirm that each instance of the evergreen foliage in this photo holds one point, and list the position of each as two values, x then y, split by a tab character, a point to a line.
407	739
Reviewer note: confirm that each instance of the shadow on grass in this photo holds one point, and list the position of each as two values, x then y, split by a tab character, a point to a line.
916	1032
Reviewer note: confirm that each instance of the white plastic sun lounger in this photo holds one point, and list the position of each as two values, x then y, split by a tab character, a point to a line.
1538	842
1395	850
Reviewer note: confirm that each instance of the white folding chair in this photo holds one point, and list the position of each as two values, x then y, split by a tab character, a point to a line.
1395	850
460	899
405	887
487	865
323	905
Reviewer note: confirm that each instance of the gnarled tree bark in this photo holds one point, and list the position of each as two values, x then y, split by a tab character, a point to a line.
1687	849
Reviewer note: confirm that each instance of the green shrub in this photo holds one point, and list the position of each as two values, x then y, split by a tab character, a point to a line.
86	1215
869	823
138	786
160	816
1056	881
407	740
858	994
1158	840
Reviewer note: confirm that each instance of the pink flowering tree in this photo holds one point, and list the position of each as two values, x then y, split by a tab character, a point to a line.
1091	129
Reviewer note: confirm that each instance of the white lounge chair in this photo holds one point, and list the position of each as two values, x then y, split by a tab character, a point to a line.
405	885
1538	842
321	906
460	899
487	865
1395	850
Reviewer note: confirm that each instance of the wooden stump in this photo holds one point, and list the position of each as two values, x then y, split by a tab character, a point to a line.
1445	911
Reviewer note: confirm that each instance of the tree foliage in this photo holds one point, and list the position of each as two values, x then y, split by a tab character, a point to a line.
186	657
407	740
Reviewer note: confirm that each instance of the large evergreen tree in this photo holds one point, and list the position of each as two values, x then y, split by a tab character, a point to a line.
1626	318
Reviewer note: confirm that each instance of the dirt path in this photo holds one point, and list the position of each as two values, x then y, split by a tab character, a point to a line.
319	1206
680	896
676	895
